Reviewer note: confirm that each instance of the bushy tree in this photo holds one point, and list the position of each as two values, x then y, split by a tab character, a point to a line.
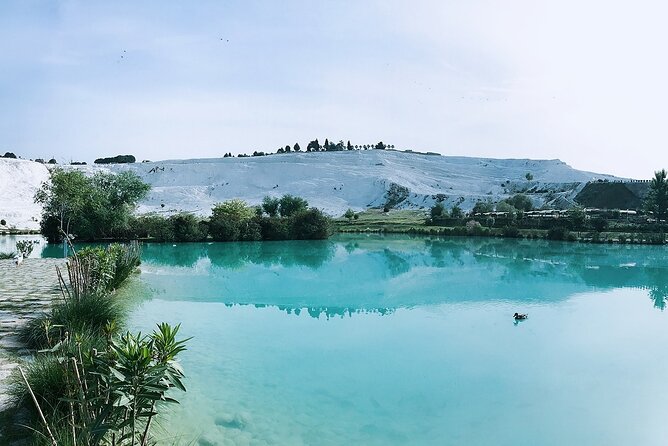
289	205
310	224
482	207
152	226
270	206
274	228
456	212
350	214
599	224
250	231
520	202
296	147
235	209
88	207
557	233
504	206
578	218
438	211
313	146
187	228
224	230
229	220
657	197
114	198
529	176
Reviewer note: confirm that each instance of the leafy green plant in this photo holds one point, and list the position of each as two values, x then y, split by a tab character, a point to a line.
657	196
88	207
89	385
311	224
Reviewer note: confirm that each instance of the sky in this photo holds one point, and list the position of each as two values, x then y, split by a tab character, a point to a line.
582	81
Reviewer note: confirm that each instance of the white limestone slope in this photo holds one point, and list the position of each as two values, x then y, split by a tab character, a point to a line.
19	180
336	181
332	181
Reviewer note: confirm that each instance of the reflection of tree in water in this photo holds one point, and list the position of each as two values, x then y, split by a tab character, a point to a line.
350	247
232	255
443	252
396	265
658	287
332	312
182	254
326	312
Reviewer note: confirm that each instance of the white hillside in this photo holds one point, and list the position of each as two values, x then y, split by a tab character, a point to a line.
332	181
335	181
19	180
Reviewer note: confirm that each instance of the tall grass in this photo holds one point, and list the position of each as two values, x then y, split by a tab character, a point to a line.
94	387
87	306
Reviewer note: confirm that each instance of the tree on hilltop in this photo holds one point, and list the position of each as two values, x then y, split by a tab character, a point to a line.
313	146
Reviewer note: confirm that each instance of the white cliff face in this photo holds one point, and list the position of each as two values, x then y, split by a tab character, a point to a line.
19	180
332	181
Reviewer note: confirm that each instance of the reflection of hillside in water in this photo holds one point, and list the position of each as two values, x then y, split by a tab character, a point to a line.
350	273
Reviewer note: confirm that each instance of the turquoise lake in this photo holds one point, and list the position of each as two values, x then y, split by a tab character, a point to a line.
372	340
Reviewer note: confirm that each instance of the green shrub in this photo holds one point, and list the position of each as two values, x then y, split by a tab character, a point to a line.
187	228
599	224
520	202
224	230
89	383
270	206
310	224
473	227
86	316
103	392
151	226
290	205
274	228
48	380
557	233
510	231
250	231
438	211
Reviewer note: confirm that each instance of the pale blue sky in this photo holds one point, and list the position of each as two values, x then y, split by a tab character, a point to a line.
581	81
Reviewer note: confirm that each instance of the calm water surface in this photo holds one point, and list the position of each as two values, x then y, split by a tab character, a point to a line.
394	340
